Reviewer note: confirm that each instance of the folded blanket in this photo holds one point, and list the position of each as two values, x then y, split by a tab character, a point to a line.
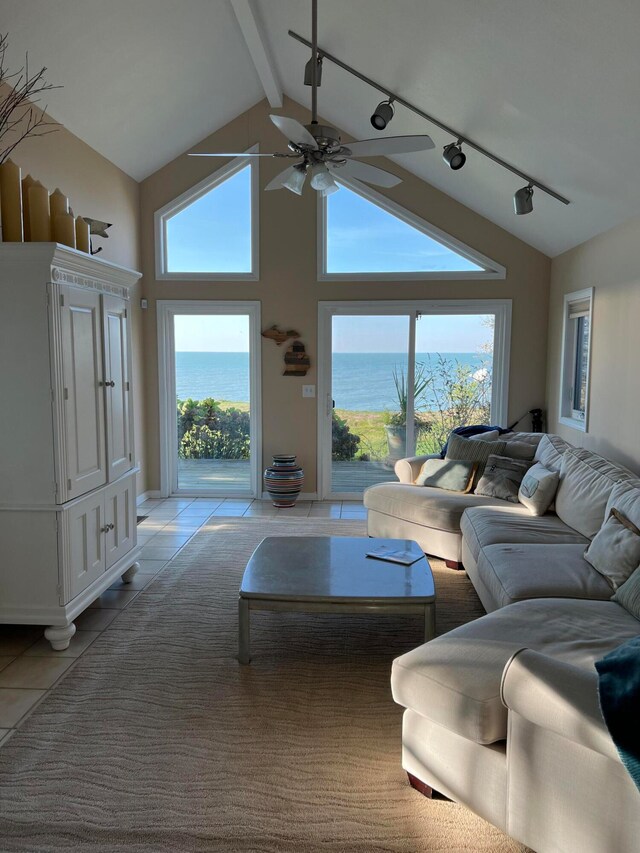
619	693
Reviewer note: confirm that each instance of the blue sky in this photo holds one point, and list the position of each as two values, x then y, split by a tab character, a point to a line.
213	233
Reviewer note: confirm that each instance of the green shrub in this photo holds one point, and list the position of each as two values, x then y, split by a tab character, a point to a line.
344	444
206	431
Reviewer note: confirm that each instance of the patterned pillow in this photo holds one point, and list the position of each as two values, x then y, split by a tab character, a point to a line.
465	450
502	477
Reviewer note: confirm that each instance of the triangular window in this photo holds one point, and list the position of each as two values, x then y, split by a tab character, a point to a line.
210	231
367	236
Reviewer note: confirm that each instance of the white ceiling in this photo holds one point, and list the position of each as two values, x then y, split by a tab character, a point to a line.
550	86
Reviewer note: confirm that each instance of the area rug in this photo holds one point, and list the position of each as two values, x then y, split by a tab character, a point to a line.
158	740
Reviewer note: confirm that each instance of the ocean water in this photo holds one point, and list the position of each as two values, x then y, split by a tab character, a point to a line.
361	381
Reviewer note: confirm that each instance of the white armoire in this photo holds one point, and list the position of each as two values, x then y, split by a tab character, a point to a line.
67	469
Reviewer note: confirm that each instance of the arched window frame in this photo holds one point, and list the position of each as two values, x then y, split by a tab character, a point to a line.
191	195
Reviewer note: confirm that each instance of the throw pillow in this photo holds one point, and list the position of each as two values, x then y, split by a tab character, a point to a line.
465	450
538	489
447	474
615	549
628	594
502	477
491	435
520	450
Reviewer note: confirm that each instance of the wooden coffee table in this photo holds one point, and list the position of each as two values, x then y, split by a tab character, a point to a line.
332	574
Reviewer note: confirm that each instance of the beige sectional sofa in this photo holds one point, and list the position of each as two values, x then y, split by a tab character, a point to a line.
502	713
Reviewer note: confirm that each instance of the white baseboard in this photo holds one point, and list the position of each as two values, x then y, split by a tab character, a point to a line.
303	496
145	496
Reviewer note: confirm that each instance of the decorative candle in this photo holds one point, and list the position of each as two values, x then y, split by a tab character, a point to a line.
82	234
64	229
11	202
39	217
58	203
26	224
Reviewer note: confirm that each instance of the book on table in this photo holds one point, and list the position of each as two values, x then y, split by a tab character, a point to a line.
404	556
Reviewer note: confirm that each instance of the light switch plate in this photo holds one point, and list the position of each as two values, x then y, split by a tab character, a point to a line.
308	390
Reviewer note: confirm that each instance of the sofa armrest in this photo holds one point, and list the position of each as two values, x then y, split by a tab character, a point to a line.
557	696
408	469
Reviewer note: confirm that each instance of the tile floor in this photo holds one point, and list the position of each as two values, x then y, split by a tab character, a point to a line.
29	667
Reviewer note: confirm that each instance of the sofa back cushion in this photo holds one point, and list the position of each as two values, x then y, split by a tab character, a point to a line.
550	451
628	595
586	483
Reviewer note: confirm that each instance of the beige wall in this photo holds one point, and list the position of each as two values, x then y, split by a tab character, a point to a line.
289	291
97	188
608	263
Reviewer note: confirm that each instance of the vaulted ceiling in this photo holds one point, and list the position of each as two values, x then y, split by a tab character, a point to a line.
550	86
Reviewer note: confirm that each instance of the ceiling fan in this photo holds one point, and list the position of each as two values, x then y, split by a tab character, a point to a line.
318	149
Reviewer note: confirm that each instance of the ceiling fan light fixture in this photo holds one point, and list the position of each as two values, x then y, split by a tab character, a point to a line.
321	178
454	156
308	72
295	181
382	114
523	200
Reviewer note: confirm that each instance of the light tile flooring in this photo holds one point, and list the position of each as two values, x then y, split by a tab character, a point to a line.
29	668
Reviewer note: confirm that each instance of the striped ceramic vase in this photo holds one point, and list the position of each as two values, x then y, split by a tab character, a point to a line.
283	480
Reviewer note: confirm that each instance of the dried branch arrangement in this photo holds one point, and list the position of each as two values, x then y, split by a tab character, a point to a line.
19	117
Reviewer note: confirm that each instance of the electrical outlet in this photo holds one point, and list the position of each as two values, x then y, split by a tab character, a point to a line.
308	390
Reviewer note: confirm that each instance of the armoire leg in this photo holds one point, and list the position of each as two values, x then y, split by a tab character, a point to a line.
60	636
127	577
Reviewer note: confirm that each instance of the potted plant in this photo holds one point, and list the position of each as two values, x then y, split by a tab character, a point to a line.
395	423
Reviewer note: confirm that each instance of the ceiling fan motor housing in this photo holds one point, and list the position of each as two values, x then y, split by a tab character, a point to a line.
325	135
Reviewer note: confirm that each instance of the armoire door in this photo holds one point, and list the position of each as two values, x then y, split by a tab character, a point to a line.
86	529
117	386
120	519
83	391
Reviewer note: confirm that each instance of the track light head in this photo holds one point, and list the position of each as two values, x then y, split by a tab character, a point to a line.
454	156
308	72
523	200
382	114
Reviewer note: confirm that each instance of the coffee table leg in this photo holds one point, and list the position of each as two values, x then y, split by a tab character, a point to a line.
429	621
244	655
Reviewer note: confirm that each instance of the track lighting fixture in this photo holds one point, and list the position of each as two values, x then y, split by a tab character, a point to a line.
382	114
523	200
308	72
454	156
295	181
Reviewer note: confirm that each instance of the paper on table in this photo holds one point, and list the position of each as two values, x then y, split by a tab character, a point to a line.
404	556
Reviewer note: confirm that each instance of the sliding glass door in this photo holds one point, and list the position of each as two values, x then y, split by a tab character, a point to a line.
371	414
209	395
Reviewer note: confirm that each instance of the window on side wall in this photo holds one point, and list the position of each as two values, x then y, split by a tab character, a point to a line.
576	349
211	231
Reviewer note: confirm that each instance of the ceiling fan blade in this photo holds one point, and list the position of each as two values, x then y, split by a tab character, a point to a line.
386	145
280	178
294	131
366	172
236	154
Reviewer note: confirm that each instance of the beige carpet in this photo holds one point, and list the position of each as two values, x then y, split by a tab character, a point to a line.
158	740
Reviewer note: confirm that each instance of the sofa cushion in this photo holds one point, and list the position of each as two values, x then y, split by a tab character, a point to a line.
454	680
628	595
502	477
513	524
473	450
520	572
424	505
447	474
538	489
550	451
586	483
